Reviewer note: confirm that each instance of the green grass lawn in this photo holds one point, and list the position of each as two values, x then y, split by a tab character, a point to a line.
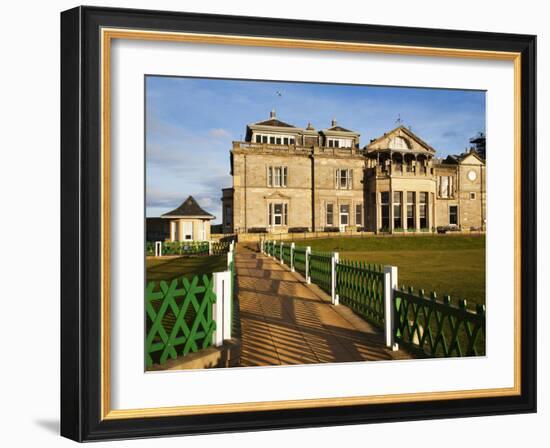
448	264
187	266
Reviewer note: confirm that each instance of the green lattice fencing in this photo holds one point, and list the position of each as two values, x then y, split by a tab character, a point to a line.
179	317
277	250
149	248
286	254
300	260
360	286
220	247
438	329
185	248
320	270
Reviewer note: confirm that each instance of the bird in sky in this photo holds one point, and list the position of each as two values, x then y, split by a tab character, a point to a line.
278	93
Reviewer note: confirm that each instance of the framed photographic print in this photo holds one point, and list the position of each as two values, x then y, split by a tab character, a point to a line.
274	224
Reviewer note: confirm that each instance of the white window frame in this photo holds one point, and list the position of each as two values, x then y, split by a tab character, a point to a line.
359	212
331	205
272	216
348	179
341	213
277	176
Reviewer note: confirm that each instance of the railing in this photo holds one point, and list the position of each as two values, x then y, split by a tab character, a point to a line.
179	318
286	254
187	315
360	286
438	329
423	324
185	248
320	270
159	248
299	260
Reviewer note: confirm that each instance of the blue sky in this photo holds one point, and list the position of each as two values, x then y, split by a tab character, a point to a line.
190	124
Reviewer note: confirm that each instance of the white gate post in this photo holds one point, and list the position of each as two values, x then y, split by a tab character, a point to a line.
281	252
209	247
221	312
390	283
308	253
261	245
230	256
333	295
292	247
158	248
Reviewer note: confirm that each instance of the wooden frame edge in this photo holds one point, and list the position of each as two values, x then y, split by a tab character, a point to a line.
107	35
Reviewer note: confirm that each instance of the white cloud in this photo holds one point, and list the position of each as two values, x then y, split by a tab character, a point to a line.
219	133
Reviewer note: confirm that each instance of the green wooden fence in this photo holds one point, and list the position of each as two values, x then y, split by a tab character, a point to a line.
320	269
299	261
360	286
185	248
438	329
286	254
423	324
179	317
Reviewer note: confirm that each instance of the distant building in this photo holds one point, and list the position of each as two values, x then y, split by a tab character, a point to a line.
479	144
289	177
188	222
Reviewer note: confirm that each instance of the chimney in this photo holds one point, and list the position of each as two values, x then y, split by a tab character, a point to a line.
272	114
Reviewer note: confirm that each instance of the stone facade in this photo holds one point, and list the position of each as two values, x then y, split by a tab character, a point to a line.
287	178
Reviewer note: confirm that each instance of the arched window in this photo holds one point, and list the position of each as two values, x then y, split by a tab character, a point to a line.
399	143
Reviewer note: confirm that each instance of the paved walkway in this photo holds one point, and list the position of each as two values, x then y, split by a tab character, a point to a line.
285	321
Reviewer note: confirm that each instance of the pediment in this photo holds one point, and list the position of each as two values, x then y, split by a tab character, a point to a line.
277	195
400	139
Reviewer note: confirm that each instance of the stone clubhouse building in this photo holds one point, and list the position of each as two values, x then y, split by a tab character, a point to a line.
289	178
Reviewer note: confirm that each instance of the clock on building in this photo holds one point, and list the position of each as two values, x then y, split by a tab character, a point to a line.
472	175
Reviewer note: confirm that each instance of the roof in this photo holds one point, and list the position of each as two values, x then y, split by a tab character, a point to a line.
457	158
408	132
339	129
189	207
274	122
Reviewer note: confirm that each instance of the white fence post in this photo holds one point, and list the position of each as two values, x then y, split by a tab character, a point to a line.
308	253
281	252
390	283
333	263
221	312
261	245
158	248
292	247
209	247
230	256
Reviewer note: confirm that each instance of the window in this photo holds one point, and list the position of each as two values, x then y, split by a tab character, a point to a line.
344	214
330	214
410	209
446	188
264	138
422	209
385	209
472	195
278	140
277	176
397	209
453	215
227	215
278	214
258	139
344	179
187	230
272	140
285	141
358	214
291	140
